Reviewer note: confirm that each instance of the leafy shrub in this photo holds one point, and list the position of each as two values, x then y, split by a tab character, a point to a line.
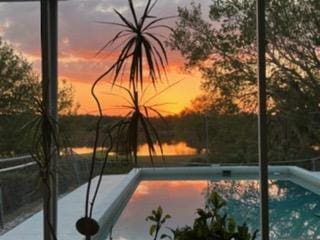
209	225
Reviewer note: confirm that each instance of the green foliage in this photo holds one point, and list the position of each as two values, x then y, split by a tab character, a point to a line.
158	220
66	101
18	83
20	90
210	224
223	48
20	86
227	141
190	127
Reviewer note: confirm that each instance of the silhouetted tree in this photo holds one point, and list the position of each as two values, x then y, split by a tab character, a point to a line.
223	48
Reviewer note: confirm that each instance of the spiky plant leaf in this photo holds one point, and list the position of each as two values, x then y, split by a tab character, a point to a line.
141	47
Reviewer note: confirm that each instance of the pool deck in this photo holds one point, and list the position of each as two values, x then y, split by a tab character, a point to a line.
317	174
70	209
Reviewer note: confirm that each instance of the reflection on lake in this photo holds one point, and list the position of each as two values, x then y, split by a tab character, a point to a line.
169	149
294	211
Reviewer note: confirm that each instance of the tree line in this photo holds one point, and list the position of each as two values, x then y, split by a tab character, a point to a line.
222	46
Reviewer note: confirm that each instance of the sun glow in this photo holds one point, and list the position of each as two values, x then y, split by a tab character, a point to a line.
80	37
168	100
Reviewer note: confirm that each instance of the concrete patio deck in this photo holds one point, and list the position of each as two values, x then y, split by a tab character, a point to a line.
70	209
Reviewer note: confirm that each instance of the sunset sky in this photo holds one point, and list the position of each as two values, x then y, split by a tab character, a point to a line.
80	37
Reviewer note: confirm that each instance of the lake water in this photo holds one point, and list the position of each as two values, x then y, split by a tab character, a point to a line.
294	211
169	149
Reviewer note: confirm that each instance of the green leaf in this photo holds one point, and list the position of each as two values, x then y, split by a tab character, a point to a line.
231	225
152	229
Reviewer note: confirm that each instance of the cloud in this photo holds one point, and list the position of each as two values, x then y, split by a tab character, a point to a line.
78	29
22	25
107	8
80	36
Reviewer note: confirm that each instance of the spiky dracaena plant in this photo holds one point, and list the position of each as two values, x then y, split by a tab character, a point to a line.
45	147
140	48
139	111
139	45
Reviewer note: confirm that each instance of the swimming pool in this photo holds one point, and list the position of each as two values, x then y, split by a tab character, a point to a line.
294	210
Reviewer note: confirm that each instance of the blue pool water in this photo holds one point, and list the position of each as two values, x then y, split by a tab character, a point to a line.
294	210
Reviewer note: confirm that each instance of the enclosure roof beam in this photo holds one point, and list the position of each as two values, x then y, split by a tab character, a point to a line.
27	0
49	52
262	118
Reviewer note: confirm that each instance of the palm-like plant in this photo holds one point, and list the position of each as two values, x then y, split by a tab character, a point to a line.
140	48
139	111
139	45
45	146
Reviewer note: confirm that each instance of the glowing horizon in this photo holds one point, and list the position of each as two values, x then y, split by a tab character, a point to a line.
171	101
80	37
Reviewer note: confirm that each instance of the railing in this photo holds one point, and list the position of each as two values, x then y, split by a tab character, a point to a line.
312	164
20	161
20	185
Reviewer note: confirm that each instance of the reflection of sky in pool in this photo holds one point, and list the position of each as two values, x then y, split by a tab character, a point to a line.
293	209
